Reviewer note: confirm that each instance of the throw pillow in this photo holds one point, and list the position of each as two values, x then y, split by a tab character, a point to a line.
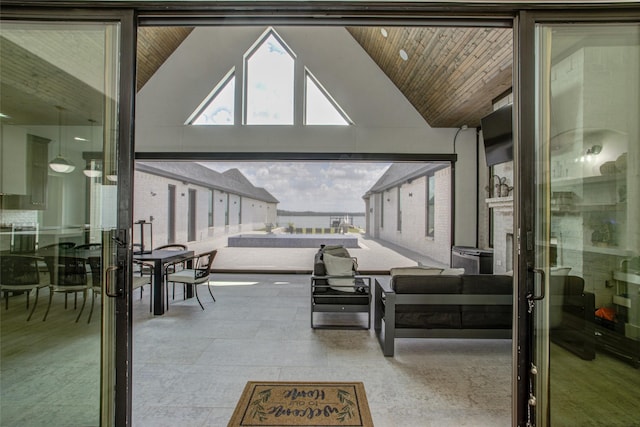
340	266
415	271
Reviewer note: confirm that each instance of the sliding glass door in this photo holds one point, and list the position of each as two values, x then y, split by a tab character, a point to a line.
62	276
583	254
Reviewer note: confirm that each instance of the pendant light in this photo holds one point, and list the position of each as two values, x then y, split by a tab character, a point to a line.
93	168
60	164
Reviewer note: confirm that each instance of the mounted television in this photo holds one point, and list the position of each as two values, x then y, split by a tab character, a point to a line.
497	133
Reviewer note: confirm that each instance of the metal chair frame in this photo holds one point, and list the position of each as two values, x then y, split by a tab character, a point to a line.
21	273
67	275
197	275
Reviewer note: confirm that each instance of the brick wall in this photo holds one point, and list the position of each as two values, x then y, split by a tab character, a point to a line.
412	234
152	204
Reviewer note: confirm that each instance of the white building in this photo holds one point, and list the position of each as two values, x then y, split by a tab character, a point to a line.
188	202
410	206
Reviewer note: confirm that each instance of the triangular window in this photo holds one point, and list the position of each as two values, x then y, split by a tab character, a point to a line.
218	107
320	108
269	68
268	79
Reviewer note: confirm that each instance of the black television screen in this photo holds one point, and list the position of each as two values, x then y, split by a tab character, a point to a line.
498	136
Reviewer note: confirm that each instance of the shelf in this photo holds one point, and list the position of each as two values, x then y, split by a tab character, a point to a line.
596	207
627	277
588	180
622	301
604	250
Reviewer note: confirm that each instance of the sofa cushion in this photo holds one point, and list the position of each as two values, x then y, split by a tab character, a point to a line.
333	296
483	316
414	271
573	300
426	284
486	317
428	317
492	284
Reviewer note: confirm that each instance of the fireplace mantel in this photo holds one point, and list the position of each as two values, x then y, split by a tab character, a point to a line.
500	203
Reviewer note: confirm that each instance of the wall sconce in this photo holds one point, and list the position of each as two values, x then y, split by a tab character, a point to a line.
388	200
182	194
410	194
220	200
235	202
153	194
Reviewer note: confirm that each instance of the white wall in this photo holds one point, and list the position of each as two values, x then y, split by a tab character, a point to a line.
384	121
151	199
412	234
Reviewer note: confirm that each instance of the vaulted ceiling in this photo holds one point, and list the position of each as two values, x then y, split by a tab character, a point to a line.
450	75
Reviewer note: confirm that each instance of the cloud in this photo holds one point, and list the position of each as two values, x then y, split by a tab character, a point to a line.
311	186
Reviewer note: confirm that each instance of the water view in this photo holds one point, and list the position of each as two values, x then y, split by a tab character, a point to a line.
321	220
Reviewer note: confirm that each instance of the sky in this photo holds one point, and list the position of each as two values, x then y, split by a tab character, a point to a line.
311	186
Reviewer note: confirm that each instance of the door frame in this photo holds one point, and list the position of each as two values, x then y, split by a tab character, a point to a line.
116	339
445	13
526	369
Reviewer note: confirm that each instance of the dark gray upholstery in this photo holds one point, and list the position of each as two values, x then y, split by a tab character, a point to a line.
466	306
327	299
575	328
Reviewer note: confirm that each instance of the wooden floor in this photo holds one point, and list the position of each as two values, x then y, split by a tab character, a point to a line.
600	392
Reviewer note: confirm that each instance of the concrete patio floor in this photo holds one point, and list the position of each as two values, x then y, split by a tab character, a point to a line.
190	365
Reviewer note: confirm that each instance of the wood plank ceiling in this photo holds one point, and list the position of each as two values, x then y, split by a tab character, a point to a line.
450	76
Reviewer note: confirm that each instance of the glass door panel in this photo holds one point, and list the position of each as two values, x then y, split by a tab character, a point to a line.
58	205
587	327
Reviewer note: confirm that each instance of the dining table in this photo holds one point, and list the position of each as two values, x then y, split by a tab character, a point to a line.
159	258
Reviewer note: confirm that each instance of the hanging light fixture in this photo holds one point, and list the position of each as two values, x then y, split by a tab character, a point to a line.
59	163
92	170
93	167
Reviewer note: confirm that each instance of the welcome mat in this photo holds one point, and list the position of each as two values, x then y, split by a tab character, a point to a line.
302	404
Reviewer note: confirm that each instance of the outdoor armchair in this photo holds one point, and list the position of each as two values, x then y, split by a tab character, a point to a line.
198	274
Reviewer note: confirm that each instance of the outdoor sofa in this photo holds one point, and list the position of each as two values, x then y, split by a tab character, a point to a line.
442	306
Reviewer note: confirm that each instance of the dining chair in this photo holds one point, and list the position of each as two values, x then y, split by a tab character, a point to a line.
174	266
20	274
197	275
89	246
142	276
59	245
67	275
95	263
